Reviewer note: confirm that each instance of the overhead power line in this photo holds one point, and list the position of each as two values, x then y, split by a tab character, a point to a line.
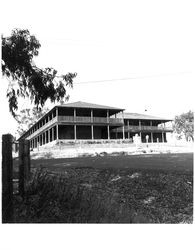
133	78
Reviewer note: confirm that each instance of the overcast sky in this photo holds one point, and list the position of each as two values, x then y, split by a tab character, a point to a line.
150	44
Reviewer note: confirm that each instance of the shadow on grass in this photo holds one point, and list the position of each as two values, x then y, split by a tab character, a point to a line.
58	199
105	196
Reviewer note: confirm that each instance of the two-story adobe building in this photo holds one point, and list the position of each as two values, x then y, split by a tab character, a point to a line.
87	121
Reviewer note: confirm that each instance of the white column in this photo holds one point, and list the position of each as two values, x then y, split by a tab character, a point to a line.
91	115
45	137
75	115
151	132
123	126
151	137
57	114
52	133
92	135
162	137
141	136
123	132
75	132
38	142
128	129
57	132
107	116
140	127
48	135
163	127
140	124
108	129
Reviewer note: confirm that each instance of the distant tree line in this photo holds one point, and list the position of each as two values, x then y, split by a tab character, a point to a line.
28	117
184	125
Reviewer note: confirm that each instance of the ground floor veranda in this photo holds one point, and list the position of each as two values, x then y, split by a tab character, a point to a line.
91	132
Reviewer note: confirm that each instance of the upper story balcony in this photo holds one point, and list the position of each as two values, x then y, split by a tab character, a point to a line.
91	120
35	131
74	120
141	128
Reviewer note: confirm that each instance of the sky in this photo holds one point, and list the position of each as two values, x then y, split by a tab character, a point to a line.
149	43
136	55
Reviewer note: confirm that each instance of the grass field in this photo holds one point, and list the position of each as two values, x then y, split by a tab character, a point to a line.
168	162
110	189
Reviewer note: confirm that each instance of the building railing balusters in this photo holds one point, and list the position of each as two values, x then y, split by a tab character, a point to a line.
138	128
89	119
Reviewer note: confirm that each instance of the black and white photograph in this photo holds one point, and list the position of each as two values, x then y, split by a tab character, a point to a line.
97	124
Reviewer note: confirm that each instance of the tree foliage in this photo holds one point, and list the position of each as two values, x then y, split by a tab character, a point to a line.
184	125
28	117
25	78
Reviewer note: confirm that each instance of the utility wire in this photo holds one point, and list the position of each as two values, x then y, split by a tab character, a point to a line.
133	78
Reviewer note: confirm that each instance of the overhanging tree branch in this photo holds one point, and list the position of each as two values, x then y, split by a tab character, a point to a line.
30	81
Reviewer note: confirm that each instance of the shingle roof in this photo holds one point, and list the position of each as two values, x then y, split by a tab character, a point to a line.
88	105
136	116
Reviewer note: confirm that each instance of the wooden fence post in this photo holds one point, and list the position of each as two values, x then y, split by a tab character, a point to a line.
27	160
24	165
7	175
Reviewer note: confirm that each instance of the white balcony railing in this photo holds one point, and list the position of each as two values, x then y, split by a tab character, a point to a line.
99	119
115	120
143	128
46	125
66	118
85	119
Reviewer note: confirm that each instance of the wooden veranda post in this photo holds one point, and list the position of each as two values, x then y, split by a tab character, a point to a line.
7	175
24	165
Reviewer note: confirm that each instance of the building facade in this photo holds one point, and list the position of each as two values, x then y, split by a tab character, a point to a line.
148	128
87	121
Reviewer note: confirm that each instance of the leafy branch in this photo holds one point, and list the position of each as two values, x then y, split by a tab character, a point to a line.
25	78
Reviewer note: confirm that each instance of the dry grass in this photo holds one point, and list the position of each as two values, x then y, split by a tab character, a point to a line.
95	195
